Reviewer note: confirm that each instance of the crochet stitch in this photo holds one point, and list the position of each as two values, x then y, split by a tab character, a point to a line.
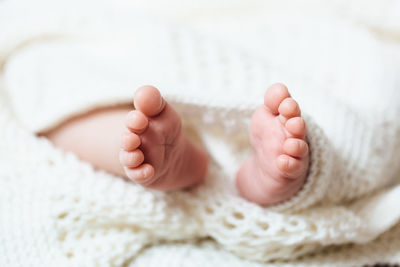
59	211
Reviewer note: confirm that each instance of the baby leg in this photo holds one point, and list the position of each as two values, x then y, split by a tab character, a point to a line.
153	151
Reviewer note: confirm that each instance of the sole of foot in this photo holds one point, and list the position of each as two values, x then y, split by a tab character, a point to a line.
154	151
278	167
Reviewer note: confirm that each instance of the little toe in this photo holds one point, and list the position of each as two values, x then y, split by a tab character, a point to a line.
289	108
149	100
275	94
131	159
141	174
295	147
136	121
130	141
296	127
291	167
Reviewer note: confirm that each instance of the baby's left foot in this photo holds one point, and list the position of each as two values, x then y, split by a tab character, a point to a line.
279	166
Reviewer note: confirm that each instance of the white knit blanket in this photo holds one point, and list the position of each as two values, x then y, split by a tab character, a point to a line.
213	62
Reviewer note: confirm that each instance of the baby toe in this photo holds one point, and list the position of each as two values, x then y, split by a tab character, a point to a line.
141	174
130	141
290	166
295	147
296	127
136	121
289	108
275	94
131	159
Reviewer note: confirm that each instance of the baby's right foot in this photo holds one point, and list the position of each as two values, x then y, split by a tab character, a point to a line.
155	152
279	166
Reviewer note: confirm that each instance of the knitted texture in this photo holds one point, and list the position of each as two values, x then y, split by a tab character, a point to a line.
57	210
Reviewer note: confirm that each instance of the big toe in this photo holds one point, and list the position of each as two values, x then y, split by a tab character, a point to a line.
148	100
274	96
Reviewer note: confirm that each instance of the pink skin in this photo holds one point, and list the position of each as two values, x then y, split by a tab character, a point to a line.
275	172
157	154
278	167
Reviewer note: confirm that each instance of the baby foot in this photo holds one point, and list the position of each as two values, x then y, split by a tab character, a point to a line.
278	167
155	152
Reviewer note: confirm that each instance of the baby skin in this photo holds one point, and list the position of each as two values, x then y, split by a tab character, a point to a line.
156	153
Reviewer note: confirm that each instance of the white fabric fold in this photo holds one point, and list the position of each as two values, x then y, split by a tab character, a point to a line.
65	63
